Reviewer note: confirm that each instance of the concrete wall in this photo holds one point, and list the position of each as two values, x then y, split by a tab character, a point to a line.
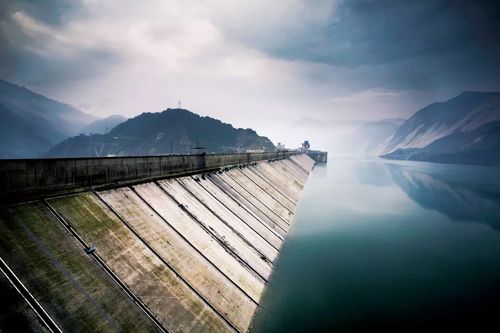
318	156
22	178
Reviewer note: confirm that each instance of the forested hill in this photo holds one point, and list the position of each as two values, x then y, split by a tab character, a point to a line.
175	131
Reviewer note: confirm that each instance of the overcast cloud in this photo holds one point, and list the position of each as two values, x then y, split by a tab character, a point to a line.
259	64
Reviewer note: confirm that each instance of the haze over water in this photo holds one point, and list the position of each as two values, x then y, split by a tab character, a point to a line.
393	246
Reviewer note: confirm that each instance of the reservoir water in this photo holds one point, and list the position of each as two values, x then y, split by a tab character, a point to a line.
392	246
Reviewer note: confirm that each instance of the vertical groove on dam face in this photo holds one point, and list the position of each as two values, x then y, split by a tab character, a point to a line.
178	255
70	286
285	184
268	188
292	170
305	162
297	163
18	314
218	229
248	235
195	251
230	186
264	197
239	209
287	171
209	282
263	187
203	241
173	303
272	209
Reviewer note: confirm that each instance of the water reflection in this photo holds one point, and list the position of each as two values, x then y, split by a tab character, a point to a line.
469	196
372	173
372	249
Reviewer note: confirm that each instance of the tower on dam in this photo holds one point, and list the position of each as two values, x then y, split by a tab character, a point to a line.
179	245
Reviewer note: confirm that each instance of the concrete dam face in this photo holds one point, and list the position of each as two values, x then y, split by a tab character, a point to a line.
178	254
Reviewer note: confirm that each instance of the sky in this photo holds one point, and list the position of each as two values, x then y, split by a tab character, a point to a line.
267	65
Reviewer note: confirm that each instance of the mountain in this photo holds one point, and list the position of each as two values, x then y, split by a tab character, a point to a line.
347	137
31	123
464	129
103	126
479	146
175	131
368	138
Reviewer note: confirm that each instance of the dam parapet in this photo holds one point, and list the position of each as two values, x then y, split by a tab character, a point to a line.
318	155
22	179
166	249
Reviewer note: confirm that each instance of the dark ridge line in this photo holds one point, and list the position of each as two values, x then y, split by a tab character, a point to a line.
59	267
222	243
164	261
227	224
314	162
278	169
258	209
300	167
265	174
252	170
233	198
232	212
291	166
294	166
40	312
223	181
271	185
101	263
195	248
309	158
272	196
287	172
272	211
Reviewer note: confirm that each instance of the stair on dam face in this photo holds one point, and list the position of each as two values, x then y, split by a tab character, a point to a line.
187	254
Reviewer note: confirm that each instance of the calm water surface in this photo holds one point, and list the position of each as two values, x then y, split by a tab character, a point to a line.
392	246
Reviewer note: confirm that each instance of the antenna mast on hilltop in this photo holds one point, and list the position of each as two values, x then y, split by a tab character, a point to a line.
179	104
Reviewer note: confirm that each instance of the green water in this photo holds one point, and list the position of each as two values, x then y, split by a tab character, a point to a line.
390	246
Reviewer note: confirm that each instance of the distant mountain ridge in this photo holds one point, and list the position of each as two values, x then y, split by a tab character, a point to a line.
464	129
465	112
368	139
175	131
354	138
31	123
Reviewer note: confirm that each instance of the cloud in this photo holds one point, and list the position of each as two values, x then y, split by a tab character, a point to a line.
407	45
253	63
144	50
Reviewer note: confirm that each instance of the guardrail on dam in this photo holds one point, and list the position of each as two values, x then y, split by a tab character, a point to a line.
190	253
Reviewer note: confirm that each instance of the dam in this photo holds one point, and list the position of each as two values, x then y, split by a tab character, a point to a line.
181	243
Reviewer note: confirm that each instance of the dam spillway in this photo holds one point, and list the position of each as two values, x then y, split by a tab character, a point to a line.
181	253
